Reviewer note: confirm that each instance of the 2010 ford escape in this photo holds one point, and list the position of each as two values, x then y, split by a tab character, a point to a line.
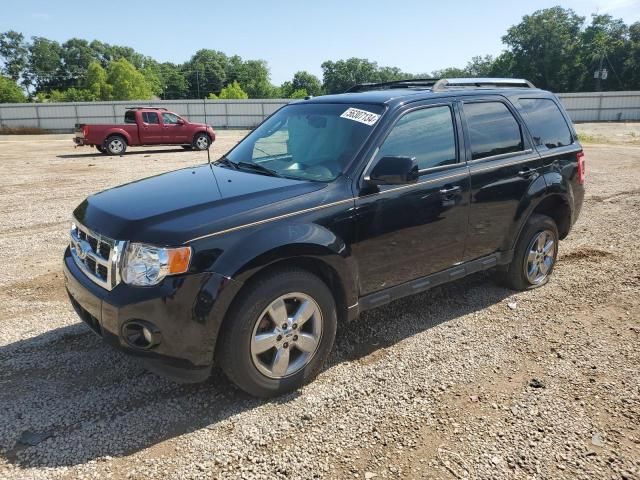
332	206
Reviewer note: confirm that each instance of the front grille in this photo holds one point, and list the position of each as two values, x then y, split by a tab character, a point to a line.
96	255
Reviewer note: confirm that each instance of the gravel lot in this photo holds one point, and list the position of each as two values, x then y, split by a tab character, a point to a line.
468	380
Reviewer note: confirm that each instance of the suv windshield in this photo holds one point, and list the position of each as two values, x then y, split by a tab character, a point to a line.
307	141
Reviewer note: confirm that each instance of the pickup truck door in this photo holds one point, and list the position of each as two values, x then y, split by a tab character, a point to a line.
504	169
174	131
149	128
410	231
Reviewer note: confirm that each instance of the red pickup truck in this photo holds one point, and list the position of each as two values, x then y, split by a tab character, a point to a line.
145	126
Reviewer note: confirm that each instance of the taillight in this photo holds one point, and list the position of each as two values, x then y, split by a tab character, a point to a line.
581	169
85	130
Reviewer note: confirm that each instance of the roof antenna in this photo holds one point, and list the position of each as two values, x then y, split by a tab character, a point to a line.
206	127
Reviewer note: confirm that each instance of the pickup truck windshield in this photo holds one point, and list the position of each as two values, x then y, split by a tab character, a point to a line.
307	141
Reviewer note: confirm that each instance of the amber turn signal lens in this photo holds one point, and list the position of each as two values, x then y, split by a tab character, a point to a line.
179	259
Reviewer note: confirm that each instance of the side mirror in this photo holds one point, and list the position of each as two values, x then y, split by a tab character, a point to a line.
394	171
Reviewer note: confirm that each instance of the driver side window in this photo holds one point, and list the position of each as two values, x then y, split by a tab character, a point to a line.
169	119
426	134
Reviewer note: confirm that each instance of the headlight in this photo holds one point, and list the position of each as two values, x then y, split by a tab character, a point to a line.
146	265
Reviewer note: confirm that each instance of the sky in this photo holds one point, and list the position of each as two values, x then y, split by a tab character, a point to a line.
416	36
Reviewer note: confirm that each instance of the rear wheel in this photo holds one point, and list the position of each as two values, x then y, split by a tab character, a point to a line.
535	254
279	333
115	145
201	141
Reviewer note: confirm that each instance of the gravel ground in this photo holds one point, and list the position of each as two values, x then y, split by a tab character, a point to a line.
468	380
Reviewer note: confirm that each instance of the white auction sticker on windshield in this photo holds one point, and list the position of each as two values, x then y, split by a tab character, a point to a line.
361	116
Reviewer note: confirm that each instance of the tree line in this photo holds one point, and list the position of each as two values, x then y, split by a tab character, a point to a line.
554	48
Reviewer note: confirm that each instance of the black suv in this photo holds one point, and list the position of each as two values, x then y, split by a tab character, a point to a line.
332	206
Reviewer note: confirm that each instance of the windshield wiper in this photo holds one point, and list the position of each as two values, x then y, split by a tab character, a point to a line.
225	161
257	168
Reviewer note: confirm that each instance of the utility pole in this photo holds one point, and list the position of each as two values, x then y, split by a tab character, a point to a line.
198	81
598	74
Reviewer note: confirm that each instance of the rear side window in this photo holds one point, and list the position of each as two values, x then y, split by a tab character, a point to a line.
150	117
426	134
546	122
492	129
130	117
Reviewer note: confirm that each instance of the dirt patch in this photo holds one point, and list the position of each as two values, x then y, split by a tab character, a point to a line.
48	287
586	253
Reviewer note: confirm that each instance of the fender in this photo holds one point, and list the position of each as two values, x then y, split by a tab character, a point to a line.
118	131
559	185
253	251
283	241
533	197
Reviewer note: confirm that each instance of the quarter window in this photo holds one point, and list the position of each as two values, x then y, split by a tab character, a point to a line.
150	117
426	134
546	122
492	129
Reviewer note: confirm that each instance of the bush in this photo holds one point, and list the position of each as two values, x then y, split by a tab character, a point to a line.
10	92
232	91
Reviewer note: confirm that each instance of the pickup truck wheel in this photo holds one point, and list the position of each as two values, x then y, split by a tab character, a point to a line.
115	145
101	149
201	141
535	254
278	333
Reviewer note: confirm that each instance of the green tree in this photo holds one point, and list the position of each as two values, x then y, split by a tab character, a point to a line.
545	48
300	93
232	91
44	64
606	43
76	55
96	82
206	72
14	54
306	81
340	75
10	92
127	83
175	85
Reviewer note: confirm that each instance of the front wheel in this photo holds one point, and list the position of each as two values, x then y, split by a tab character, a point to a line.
279	333
201	141
535	254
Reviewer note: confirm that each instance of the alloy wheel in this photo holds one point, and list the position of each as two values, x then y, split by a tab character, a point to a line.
540	257
286	335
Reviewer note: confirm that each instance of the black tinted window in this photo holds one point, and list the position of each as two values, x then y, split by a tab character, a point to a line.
492	129
130	117
546	123
150	117
425	134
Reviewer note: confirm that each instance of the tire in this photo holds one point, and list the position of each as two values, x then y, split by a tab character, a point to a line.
115	145
534	256
101	149
253	348
201	141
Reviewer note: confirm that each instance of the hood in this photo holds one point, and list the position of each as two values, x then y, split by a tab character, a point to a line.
174	207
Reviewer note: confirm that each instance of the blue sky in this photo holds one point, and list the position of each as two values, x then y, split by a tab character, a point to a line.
417	36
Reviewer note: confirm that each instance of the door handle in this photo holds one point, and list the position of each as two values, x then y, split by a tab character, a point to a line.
527	172
450	190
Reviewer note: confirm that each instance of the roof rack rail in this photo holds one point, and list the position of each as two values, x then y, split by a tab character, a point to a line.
145	108
407	83
446	83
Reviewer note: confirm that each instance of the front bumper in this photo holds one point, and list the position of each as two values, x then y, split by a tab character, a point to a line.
187	311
